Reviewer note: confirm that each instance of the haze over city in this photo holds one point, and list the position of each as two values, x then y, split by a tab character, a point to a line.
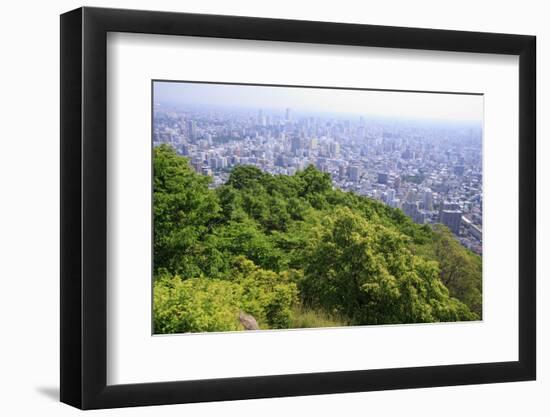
388	104
419	152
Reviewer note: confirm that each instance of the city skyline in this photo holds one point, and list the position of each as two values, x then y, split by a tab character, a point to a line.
432	171
402	105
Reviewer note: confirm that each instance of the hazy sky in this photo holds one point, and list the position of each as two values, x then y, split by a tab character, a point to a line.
455	107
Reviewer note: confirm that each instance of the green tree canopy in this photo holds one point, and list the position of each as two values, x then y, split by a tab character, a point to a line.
184	211
367	273
294	251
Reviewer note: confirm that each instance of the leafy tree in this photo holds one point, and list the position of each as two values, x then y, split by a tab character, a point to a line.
460	268
314	181
294	251
184	211
266	206
367	273
267	295
207	305
245	176
246	239
195	305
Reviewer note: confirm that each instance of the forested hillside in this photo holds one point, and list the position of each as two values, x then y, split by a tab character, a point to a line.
293	252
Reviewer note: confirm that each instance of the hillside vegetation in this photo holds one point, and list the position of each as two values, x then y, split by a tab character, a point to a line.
294	252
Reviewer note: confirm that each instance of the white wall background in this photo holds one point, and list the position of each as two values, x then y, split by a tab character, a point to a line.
29	212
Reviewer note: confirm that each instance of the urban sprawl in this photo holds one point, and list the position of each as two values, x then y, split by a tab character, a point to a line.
430	170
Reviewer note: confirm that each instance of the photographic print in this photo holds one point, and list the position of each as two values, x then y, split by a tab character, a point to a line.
291	207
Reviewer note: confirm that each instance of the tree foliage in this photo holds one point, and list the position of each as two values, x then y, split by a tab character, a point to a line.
460	269
366	273
283	248
184	212
208	304
195	305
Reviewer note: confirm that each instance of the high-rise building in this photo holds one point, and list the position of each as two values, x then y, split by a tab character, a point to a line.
427	200
390	196
410	208
261	118
452	219
411	197
192	129
342	171
397	183
184	150
313	143
288	115
383	178
354	173
334	149
395	203
280	161
420	217
197	165
447	205
407	154
296	144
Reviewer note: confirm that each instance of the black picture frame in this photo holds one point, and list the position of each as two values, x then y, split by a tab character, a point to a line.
84	207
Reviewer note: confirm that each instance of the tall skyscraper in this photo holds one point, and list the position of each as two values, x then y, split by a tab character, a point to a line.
447	205
452	219
261	118
383	178
342	170
296	144
390	196
397	183
334	149
428	200
410	208
313	143
354	173
411	197
192	129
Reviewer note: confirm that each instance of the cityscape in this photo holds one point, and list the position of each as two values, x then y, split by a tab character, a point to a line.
431	169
